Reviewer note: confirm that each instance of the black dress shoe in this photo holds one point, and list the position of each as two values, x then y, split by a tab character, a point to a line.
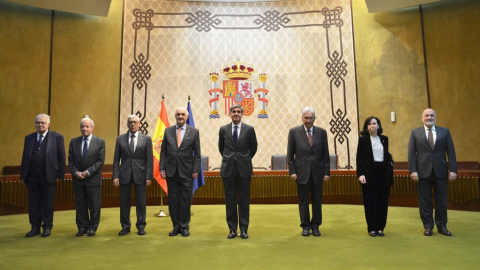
141	231
174	232
444	231
185	233
81	233
232	234
32	233
372	234
380	233
92	233
428	232
124	232
46	233
306	232
316	232
244	235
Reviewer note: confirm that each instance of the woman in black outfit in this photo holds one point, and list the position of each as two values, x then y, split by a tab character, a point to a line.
375	173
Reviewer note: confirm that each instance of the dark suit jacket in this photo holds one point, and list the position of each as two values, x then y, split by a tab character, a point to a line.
55	159
365	158
421	157
242	154
139	163
93	162
303	158
186	158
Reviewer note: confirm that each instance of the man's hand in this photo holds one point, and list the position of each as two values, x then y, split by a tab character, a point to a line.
452	176
326	178
116	182
162	174
194	175
79	175
149	182
294	176
362	179
414	176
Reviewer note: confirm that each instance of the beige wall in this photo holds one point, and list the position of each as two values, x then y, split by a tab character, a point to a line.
390	72
85	74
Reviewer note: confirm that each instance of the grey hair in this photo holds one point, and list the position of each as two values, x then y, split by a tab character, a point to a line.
182	108
308	109
43	115
132	116
236	105
87	118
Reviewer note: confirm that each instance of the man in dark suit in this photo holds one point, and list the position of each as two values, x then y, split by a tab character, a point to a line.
428	149
237	143
180	164
86	155
134	151
309	166
43	164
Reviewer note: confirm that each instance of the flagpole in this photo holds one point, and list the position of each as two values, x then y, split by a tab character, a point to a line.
161	213
157	177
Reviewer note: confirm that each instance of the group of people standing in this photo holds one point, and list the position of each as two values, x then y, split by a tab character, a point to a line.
43	164
428	149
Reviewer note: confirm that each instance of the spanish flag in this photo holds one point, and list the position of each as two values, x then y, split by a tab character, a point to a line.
162	124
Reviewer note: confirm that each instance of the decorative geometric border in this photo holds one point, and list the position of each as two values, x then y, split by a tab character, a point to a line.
205	21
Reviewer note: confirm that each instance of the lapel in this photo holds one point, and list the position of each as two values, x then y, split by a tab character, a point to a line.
127	144
185	136
230	134
173	133
50	141
78	147
93	144
316	134
303	135
424	137
31	142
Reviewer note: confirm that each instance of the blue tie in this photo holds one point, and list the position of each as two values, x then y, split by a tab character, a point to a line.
85	148
235	136
40	140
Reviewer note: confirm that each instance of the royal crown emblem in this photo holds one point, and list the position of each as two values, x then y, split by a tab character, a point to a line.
238	89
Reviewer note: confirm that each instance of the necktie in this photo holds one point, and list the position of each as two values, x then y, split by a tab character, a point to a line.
235	136
132	143
309	133
179	137
40	139
430	138
85	148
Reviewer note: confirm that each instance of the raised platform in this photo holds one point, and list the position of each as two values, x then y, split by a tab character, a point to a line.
268	187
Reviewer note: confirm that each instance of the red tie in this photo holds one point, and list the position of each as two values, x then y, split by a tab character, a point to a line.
179	137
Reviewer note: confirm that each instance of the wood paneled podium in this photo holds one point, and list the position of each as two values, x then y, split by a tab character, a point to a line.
268	187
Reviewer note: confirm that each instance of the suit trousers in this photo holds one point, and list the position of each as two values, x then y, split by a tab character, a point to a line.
180	196
88	206
425	203
41	201
237	186
376	194
304	192
125	204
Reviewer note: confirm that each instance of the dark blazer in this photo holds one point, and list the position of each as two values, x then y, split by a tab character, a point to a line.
139	163
93	162
421	157
365	158
186	157
242	154
303	158
55	156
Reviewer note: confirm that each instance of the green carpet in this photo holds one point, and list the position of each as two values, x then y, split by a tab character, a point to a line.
275	242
